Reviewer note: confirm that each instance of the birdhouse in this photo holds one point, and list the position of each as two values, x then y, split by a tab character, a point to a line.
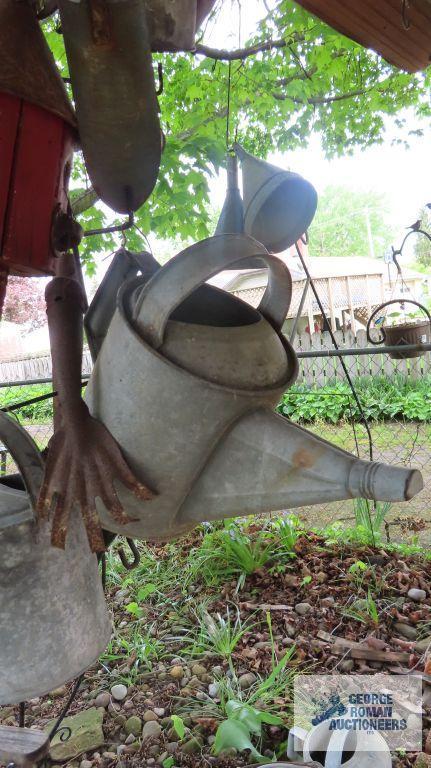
37	138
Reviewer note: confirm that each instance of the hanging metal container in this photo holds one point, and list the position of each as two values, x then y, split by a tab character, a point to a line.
171	24
279	205
186	381
402	334
108	52
54	622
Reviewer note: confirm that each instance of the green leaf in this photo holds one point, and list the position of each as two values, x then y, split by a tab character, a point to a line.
232	733
145	592
179	727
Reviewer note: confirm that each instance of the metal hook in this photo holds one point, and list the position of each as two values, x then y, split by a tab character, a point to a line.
405	19
129	566
160	87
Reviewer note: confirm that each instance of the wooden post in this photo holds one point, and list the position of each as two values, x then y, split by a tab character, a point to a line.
331	305
368	295
351	309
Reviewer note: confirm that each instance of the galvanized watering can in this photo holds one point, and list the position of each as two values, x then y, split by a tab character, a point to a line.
54	623
338	748
186	381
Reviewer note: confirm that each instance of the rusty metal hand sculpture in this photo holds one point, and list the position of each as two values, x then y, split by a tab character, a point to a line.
84	460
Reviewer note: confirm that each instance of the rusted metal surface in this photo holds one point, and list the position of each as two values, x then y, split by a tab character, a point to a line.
399	31
27	67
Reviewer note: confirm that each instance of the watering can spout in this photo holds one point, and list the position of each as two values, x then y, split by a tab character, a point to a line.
266	463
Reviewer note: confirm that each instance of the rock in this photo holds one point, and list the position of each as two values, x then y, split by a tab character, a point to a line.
150	761
161	758
290	580
246	680
129	704
192	746
302	608
213	689
347	665
119	692
85	764
57	693
172	747
87	735
290	631
376	643
177	672
406	630
109	755
211	740
327	602
423	760
198	669
130	739
151	729
201	696
159	711
422	645
133	726
150	715
418	595
102	699
321	577
217	670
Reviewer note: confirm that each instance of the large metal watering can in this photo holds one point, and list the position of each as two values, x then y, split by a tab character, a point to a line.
54	623
186	381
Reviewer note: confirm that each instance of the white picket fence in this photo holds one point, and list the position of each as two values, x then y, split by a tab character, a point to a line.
314	371
320	371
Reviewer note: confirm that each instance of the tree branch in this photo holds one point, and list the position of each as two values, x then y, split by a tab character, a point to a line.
318	100
241	53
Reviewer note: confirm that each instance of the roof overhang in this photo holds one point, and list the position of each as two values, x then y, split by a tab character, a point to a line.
399	30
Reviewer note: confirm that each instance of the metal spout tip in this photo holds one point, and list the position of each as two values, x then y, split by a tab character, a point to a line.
414	484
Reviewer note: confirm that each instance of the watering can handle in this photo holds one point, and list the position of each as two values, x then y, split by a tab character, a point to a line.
25	453
196	264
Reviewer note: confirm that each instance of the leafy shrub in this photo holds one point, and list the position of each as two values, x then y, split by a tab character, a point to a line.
40	412
381	399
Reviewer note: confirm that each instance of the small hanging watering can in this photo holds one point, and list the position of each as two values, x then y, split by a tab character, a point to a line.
54	622
338	748
186	381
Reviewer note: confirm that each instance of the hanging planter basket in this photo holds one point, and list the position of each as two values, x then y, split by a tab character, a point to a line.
415	331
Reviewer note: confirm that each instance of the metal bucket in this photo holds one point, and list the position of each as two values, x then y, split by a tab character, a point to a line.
54	622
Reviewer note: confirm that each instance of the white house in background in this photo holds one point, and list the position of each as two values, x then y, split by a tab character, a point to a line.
349	288
10	340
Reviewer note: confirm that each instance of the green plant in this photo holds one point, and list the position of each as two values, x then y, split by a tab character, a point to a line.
243	723
219	634
370	517
179	726
364	610
287	530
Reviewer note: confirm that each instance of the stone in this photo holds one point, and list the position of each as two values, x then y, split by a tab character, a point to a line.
119	692
418	595
57	693
406	630
347	665
85	764
302	608
327	602
198	669
129	705
211	739
422	645
246	680
133	725
290	580
172	747
177	672
102	699
150	715
159	711
213	689
423	761
321	577
151	729
87	734
201	696
109	755
192	746
217	670
130	739
161	758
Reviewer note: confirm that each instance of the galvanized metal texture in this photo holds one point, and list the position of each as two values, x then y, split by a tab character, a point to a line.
279	205
193	413
399	31
108	51
27	67
171	285
54	619
124	266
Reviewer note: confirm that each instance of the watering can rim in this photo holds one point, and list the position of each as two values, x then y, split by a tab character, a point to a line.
30	464
122	297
